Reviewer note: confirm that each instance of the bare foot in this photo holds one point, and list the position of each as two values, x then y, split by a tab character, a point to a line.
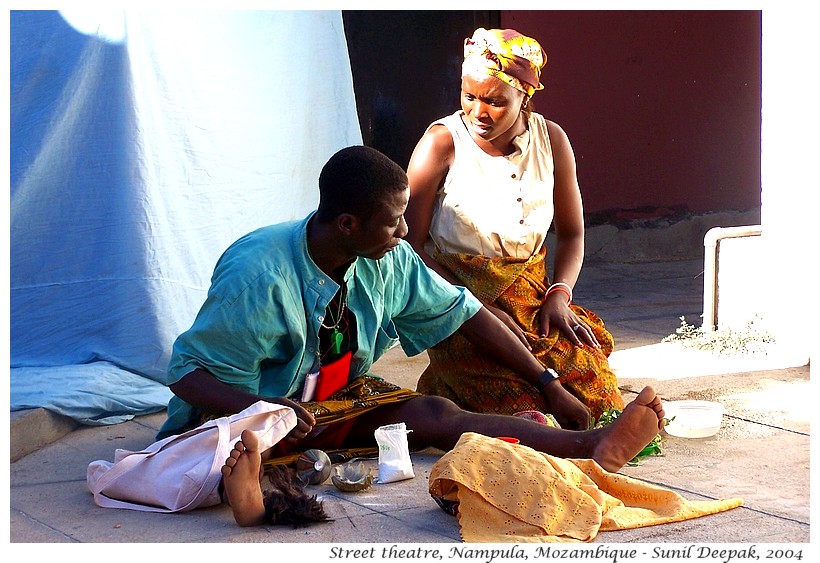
634	428
240	475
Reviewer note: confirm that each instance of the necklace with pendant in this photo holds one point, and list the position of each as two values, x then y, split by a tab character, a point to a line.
336	337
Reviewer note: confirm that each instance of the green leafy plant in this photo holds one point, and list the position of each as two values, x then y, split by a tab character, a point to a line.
749	339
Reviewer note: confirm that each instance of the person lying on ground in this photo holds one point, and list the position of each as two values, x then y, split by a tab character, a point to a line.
609	446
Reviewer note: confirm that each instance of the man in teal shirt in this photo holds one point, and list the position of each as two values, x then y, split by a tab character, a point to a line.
269	295
329	295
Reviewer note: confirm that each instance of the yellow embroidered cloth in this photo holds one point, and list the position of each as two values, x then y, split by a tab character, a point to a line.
512	493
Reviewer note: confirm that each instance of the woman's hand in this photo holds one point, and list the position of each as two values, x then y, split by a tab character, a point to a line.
510	323
304	420
570	413
556	312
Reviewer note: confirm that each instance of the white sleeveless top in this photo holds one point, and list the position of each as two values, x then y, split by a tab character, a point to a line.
495	205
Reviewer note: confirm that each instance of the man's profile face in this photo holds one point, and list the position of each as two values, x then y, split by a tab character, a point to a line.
380	233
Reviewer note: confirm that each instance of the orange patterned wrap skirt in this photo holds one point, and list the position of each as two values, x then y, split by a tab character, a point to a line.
475	382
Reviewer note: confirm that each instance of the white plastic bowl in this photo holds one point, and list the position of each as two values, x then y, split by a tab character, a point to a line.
693	419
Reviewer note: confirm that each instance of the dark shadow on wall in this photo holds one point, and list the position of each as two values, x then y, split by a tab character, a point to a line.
407	71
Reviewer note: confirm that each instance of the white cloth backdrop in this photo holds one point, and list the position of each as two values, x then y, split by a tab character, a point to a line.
135	161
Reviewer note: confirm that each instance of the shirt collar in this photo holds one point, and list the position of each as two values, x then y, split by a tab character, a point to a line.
314	271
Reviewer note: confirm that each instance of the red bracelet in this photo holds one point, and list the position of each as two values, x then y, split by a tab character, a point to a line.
560	286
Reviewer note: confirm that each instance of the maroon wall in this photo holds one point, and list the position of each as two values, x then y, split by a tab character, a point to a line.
662	107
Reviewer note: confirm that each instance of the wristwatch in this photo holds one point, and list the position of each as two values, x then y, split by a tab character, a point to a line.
548	376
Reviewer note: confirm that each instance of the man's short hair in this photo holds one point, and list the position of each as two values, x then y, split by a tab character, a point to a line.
357	180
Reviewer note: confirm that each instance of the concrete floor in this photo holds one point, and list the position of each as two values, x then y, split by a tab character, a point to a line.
761	454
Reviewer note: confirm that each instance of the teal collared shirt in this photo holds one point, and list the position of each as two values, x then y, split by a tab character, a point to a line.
258	329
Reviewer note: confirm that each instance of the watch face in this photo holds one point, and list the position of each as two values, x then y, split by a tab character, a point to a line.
548	376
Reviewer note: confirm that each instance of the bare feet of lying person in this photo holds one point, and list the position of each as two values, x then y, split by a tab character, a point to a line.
240	475
634	428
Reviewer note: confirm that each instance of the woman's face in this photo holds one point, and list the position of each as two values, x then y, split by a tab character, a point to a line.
491	107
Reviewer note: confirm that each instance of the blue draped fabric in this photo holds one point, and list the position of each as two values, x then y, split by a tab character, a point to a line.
136	158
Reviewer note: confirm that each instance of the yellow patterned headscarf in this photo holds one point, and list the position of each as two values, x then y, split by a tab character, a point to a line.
506	54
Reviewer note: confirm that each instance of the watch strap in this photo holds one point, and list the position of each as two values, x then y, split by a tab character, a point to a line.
548	376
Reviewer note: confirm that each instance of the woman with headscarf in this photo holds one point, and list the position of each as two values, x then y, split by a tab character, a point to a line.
486	183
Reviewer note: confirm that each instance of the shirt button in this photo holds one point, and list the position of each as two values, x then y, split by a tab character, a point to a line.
321	282
321	318
521	222
518	199
310	350
513	176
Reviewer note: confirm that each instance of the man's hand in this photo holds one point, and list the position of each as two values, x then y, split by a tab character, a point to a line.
570	413
200	388
305	421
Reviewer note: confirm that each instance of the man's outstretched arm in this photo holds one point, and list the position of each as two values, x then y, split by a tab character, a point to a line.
204	391
487	333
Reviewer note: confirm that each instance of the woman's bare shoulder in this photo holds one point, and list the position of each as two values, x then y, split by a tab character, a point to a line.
436	143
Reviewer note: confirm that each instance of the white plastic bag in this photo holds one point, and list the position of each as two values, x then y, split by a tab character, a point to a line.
394	453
